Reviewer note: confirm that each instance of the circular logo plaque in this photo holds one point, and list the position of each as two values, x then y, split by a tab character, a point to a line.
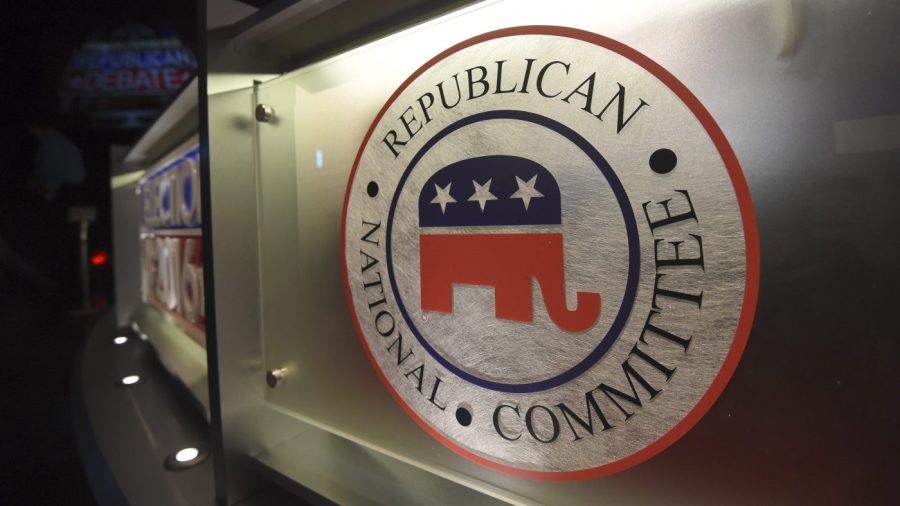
549	252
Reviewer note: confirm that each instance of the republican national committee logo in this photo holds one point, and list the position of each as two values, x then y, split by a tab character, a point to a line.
467	253
549	253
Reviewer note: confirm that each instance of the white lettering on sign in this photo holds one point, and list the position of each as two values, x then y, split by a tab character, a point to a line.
171	196
171	242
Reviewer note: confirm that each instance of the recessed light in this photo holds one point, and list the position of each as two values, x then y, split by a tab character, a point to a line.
130	380
187	454
184	458
120	340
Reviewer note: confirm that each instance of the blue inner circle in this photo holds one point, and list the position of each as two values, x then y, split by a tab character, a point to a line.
633	253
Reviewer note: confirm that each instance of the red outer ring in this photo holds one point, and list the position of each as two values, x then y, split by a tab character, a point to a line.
751	239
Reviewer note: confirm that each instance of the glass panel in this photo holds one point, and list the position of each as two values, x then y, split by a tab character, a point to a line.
800	92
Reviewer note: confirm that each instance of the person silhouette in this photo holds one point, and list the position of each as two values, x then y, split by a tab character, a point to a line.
57	162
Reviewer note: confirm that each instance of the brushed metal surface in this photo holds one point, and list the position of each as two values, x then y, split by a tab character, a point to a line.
329	461
806	407
596	257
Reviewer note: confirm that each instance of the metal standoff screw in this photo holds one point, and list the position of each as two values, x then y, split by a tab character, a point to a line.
275	376
264	112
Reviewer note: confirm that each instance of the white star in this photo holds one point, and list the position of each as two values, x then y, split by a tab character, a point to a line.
482	194
526	191
443	197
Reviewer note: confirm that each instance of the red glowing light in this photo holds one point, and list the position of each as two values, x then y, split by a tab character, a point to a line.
99	258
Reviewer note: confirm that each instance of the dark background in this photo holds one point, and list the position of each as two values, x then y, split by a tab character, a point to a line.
40	334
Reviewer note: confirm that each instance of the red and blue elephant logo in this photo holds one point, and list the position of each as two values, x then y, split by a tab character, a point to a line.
496	221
